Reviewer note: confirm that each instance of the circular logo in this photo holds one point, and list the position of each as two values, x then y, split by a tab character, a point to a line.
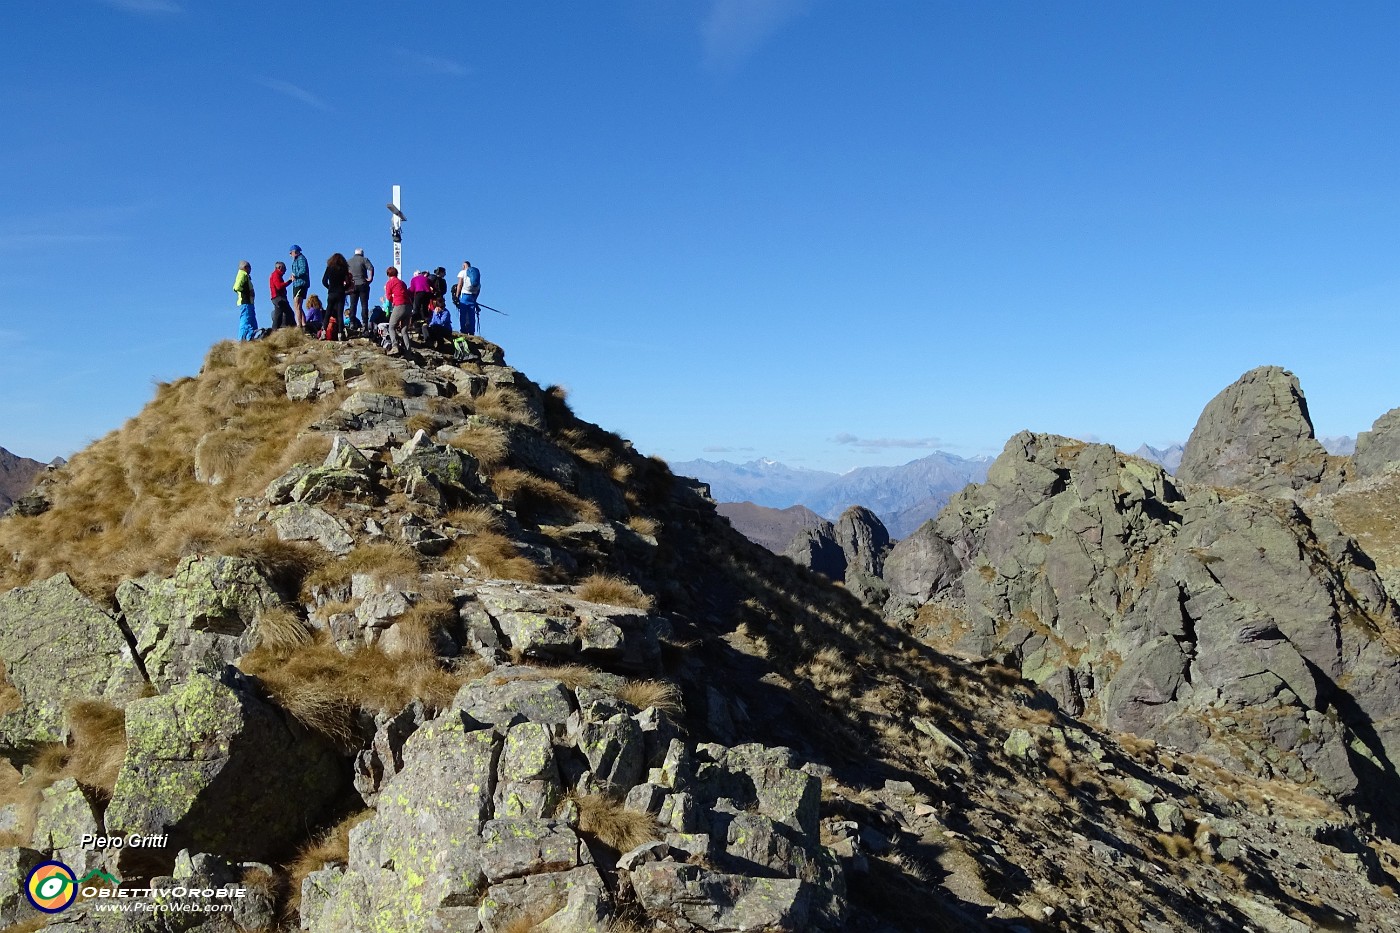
51	887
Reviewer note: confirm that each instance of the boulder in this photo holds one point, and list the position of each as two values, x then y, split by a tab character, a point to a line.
864	540
919	567
1378	450
58	645
301	522
198	620
1257	435
221	771
818	550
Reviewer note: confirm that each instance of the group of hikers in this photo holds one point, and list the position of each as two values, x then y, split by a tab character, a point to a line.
419	303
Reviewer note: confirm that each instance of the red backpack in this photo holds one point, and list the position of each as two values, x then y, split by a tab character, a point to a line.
332	329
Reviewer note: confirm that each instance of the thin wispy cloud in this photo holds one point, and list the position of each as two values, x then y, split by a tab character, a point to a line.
145	7
17	242
884	443
734	29
288	89
431	63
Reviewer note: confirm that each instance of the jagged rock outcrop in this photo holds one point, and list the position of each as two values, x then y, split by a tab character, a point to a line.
852	551
1378	450
818	550
1234	625
1257	435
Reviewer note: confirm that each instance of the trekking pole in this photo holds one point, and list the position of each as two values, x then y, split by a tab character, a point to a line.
489	308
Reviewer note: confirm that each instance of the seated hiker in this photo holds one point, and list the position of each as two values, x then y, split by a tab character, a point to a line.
438	333
314	314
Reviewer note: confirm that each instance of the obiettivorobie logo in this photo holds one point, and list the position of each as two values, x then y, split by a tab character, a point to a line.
51	887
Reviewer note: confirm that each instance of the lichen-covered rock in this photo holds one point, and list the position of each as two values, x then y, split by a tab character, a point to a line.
199	619
64	816
1257	435
919	567
16	862
301	522
220	771
503	703
573	901
57	645
303	381
417	865
1234	624
527	777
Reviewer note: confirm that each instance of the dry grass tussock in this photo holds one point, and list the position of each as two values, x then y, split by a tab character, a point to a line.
321	687
279	628
387	562
493	555
331	846
93	757
129	503
661	694
503	404
608	822
475	519
541	500
643	525
613	591
486	443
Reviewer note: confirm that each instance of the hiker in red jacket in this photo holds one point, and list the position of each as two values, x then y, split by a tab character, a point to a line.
397	292
281	310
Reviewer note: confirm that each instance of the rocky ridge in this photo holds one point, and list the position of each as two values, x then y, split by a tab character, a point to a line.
485	668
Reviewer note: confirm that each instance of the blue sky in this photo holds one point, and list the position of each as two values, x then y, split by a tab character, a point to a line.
829	233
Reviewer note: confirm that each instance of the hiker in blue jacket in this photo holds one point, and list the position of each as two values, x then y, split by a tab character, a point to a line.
464	294
301	282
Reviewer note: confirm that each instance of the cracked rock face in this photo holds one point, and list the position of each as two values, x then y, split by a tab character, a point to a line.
1235	625
1257	435
58	645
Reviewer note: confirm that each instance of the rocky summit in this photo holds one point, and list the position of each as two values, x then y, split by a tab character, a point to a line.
391	645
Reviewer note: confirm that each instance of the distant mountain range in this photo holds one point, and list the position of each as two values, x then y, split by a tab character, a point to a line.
903	496
1169	458
17	475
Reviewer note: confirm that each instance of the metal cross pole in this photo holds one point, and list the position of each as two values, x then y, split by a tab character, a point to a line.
396	233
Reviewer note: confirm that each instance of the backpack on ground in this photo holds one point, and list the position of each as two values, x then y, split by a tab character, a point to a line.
331	331
462	351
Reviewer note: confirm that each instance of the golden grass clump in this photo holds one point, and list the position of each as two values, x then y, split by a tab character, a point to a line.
129	504
475	519
384	561
529	917
643	525
493	555
486	443
286	563
609	823
96	744
613	591
541	500
505	404
321	687
281	628
661	694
